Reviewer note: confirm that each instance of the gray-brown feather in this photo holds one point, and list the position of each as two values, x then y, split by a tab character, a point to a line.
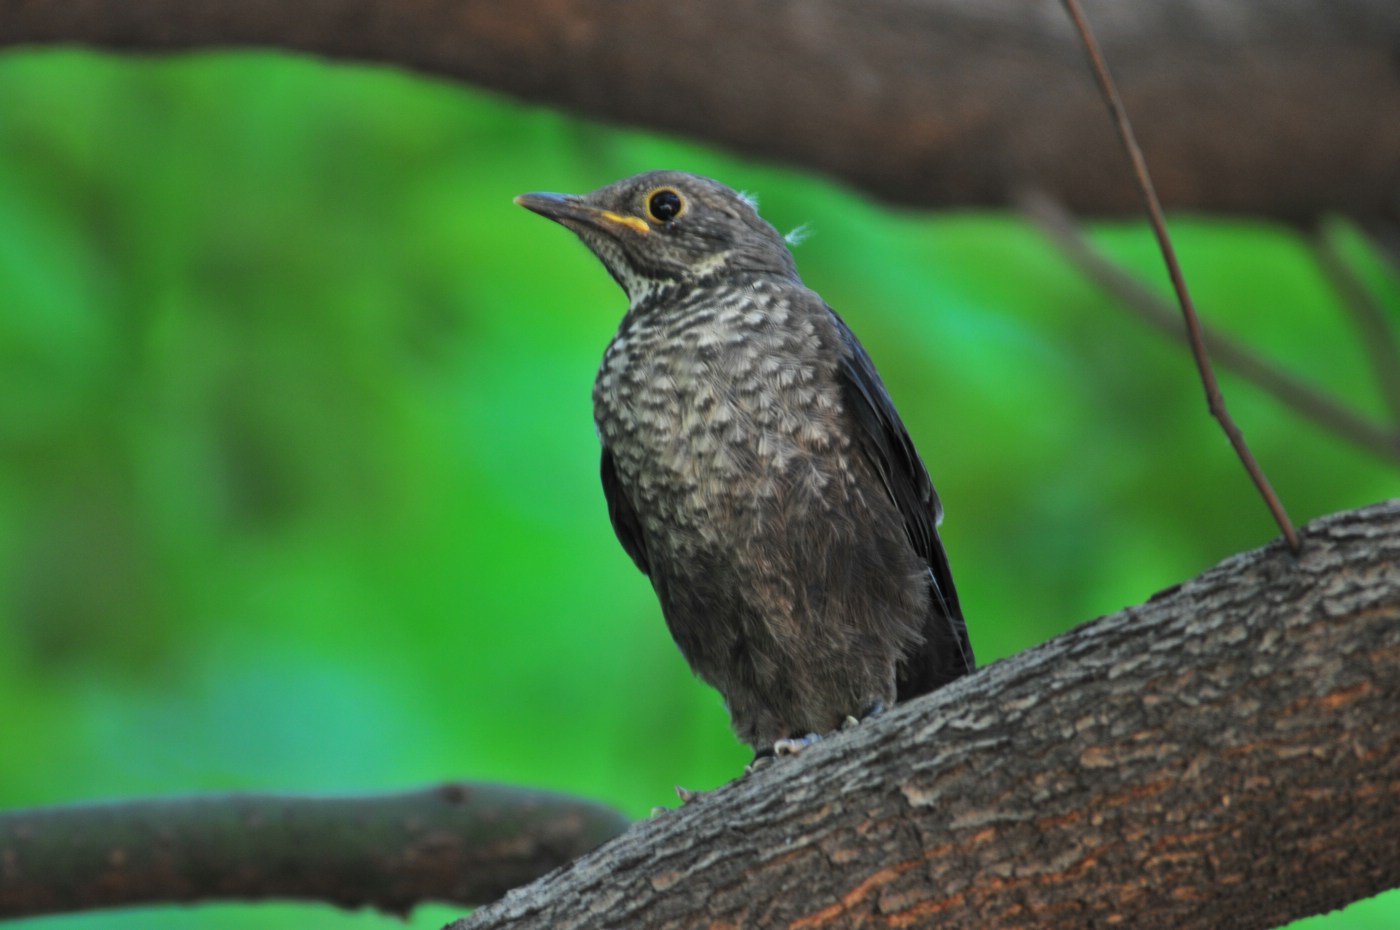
783	567
756	469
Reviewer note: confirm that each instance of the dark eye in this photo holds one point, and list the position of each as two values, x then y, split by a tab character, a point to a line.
665	205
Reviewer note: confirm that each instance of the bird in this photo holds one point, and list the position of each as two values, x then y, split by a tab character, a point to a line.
756	470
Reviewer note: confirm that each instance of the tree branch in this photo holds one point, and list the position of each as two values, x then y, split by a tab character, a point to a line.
1372	320
1285	109
1307	401
459	842
1227	754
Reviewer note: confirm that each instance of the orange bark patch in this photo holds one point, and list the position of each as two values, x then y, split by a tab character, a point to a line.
854	896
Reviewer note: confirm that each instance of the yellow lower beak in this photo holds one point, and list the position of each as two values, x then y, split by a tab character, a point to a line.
563	208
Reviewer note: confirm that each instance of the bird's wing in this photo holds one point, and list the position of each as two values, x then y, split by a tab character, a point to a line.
947	652
624	519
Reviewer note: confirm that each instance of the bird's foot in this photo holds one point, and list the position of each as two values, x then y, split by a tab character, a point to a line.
783	747
791	747
874	710
686	796
761	760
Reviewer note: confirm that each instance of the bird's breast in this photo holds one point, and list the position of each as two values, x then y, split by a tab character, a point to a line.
724	403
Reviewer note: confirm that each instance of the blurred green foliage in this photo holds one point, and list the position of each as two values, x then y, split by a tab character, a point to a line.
298	473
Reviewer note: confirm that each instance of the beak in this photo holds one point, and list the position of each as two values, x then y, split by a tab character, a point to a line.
571	211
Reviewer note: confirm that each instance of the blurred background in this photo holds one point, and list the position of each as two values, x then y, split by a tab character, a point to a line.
298	476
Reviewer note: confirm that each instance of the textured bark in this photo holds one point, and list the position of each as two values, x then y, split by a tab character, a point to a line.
1227	754
459	842
1289	108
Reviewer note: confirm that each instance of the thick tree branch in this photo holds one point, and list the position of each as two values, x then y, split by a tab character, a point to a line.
462	843
1289	109
1227	754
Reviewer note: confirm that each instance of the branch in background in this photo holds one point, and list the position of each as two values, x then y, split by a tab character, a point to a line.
1376	331
1307	401
461	843
939	103
1225	755
1384	233
1215	399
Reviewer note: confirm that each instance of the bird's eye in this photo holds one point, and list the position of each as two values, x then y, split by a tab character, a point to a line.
665	205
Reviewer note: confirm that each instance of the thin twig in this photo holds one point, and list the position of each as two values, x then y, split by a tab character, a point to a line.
1214	399
1319	407
1377	335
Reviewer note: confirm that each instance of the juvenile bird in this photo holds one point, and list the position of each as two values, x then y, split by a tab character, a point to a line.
756	470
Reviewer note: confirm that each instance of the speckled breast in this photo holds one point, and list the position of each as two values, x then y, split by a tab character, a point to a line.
721	399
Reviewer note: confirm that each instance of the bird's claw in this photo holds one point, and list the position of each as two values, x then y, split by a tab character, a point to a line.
874	710
783	747
791	747
761	761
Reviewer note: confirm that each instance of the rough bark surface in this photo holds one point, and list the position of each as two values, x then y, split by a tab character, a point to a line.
1227	754
1288	109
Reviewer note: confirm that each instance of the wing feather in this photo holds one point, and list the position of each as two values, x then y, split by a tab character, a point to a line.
624	519
946	652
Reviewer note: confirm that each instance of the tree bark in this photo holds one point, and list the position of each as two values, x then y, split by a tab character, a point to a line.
1288	109
1227	754
459	842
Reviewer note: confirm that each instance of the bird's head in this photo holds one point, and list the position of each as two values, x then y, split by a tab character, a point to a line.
666	228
